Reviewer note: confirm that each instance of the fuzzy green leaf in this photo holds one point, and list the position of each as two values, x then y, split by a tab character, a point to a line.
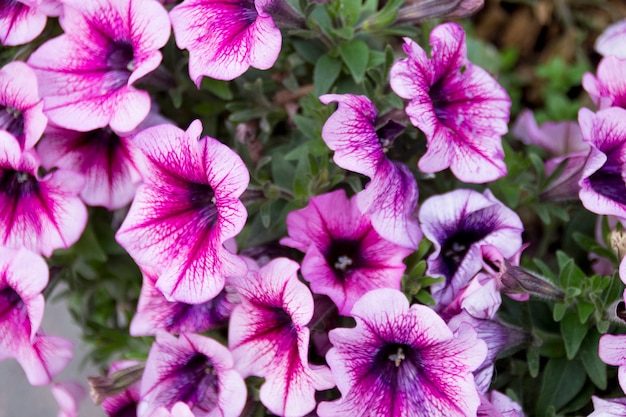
355	54
573	334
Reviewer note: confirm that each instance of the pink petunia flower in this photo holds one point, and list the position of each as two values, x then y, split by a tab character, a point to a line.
86	75
460	108
459	223
23	276
21	21
608	87
603	188
195	370
68	395
496	404
609	407
155	312
225	38
41	214
345	257
190	194
390	198
269	338
612	351
402	361
613	40
21	108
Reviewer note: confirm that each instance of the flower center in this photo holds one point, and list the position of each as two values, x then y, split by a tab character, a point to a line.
9	300
342	256
17	184
202	199
197	383
12	120
608	181
121	57
397	357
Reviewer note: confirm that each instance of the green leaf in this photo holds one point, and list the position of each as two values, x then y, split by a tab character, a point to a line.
218	87
585	310
355	54
559	311
350	10
562	380
532	359
573	334
425	298
595	368
325	74
308	50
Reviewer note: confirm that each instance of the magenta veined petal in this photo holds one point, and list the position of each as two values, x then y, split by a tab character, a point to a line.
269	338
401	361
460	108
86	74
608	87
613	40
20	22
190	193
226	37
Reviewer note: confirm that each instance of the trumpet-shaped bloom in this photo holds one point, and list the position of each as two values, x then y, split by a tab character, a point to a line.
195	370
460	108
23	275
41	214
402	361
345	257
226	37
603	189
190	194
155	312
21	108
613	40
21	21
269	338
608	88
86	75
459	223
390	198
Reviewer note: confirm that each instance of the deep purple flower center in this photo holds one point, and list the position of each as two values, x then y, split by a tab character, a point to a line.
343	256
196	383
9	301
608	181
393	362
248	12
202	199
128	410
121	57
16	184
439	99
12	120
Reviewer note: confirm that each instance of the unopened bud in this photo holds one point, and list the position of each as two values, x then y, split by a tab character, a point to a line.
417	10
103	387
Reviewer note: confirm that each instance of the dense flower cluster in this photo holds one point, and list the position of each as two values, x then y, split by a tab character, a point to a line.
371	302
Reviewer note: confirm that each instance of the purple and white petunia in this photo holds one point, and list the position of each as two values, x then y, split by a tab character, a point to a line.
460	108
390	198
21	21
345	256
190	194
613	40
402	361
86	75
269	338
609	407
155	312
226	37
21	108
608	88
459	223
23	276
612	351
41	214
603	188
192	369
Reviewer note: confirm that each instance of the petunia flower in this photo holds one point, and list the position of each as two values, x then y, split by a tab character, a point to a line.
192	369
496	404
39	213
345	256
86	75
460	108
390	198
269	338
608	407
155	312
68	395
21	21
603	189
21	108
612	351
190	194
125	402
607	88
613	40
225	38
459	223
402	361
106	160
23	276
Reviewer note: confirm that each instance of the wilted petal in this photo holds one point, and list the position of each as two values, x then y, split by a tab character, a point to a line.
225	38
613	40
190	194
21	108
557	138
269	338
195	370
460	108
401	361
